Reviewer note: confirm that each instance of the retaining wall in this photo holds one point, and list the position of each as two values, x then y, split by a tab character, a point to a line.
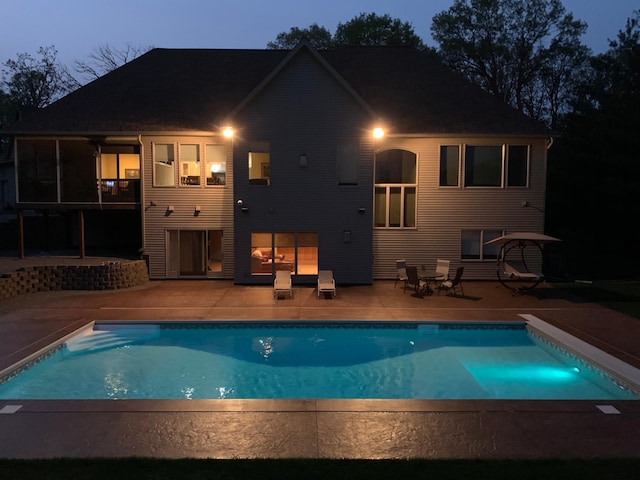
108	276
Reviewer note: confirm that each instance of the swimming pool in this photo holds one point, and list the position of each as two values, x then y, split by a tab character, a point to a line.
285	360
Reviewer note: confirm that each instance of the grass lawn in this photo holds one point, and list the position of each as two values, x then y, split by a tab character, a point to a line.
143	469
621	296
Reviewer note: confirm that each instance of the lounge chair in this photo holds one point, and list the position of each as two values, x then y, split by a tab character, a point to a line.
518	271
401	267
282	283
455	284
326	283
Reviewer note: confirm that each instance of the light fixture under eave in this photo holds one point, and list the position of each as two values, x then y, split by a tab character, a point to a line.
227	132
378	132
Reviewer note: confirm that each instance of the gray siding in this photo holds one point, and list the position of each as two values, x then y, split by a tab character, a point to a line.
443	212
216	203
305	110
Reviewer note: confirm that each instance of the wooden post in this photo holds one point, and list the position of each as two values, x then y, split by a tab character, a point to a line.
20	234
81	231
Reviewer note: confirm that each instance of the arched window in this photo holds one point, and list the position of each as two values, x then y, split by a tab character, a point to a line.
395	189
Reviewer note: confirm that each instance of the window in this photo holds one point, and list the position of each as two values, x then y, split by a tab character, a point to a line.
77	171
472	244
259	164
163	162
119	175
189	165
215	164
483	166
517	165
449	165
293	251
395	189
348	163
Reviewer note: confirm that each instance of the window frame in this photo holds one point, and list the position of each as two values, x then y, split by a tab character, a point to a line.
445	160
484	235
404	187
171	163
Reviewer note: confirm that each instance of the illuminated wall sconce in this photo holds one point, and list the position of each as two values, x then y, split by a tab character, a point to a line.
227	132
302	160
196	211
378	132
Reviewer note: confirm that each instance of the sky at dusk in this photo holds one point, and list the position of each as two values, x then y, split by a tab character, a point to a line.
77	27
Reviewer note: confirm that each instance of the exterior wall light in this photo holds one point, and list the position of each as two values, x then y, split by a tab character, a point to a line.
227	132
378	132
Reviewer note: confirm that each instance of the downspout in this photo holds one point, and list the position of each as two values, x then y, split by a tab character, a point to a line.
142	202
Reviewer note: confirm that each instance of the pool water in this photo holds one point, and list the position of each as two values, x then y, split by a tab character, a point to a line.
310	360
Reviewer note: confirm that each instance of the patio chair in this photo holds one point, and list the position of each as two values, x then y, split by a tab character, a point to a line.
442	267
401	267
413	280
453	285
282	283
326	282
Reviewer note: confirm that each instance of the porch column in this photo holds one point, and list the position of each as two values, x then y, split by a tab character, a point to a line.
20	234
81	232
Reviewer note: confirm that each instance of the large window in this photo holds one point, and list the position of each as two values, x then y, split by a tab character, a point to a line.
483	166
495	166
259	164
163	165
189	165
119	175
215	164
293	251
395	189
518	165
472	244
449	165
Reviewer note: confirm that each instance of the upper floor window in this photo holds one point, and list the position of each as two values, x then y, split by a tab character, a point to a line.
395	189
483	166
518	165
163	165
215	164
189	164
449	165
259	168
496	165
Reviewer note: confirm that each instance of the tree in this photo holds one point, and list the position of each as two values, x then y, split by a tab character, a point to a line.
318	37
33	83
375	30
364	29
593	169
526	53
105	58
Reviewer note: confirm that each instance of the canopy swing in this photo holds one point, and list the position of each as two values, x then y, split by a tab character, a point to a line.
514	260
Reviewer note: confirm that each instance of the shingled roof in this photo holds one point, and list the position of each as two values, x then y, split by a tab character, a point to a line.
195	89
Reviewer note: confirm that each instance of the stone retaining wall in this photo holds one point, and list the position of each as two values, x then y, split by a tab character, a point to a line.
108	276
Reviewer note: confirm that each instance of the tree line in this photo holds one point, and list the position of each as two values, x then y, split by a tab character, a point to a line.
529	54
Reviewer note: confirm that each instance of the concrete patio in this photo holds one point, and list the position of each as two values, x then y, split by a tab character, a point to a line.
313	428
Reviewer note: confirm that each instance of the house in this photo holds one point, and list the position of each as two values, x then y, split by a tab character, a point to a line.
236	163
